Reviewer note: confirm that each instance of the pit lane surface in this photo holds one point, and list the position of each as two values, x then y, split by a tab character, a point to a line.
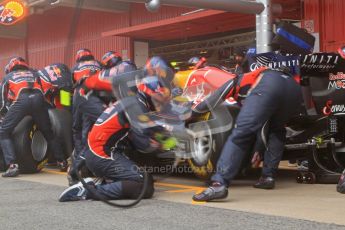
30	202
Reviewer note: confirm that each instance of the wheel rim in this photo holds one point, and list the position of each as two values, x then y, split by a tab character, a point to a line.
202	150
202	146
39	146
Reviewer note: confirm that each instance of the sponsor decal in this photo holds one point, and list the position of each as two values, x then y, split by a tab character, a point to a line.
333	109
336	81
11	12
275	65
197	93
275	61
320	62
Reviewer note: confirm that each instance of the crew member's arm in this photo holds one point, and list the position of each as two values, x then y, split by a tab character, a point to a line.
3	96
98	81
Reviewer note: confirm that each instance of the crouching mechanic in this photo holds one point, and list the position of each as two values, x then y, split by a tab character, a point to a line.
107	141
105	158
273	96
22	95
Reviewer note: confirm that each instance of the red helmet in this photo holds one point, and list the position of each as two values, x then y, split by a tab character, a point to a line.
84	55
16	63
111	59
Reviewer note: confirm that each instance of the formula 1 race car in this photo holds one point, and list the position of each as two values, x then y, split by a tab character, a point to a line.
200	134
316	135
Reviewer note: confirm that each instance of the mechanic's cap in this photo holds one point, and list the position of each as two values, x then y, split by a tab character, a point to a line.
111	59
17	63
341	51
84	55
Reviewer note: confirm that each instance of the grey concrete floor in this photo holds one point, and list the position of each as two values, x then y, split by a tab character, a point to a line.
30	202
32	205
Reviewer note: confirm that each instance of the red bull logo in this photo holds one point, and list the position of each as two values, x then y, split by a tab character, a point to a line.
11	12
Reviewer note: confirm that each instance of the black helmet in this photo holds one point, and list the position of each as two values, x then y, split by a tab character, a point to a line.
84	55
111	59
16	63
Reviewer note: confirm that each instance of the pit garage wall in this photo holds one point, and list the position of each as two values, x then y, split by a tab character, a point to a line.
327	18
8	48
47	37
47	34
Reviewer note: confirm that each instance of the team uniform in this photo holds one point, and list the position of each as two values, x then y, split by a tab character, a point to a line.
22	95
88	104
105	157
271	96
54	78
107	141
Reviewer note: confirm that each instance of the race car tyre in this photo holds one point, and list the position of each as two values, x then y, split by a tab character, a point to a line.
30	146
61	121
206	149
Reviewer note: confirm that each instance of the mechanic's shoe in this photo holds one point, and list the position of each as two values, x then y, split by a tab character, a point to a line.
341	183
265	183
216	191
76	192
63	165
12	171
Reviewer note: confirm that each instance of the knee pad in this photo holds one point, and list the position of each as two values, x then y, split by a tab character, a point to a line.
132	189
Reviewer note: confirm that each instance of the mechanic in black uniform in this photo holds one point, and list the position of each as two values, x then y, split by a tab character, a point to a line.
272	96
21	94
91	96
87	106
